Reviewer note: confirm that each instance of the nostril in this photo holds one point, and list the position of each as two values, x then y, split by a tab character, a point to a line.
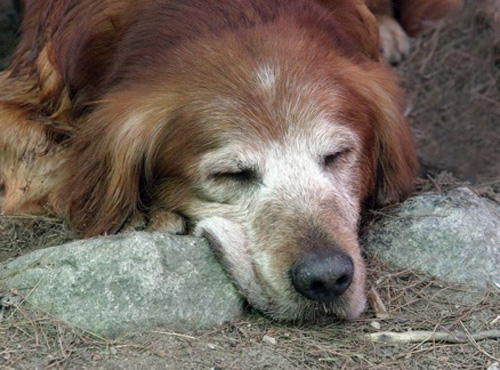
323	278
343	283
344	279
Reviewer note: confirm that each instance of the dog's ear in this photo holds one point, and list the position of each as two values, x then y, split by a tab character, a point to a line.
359	23
109	165
397	163
395	159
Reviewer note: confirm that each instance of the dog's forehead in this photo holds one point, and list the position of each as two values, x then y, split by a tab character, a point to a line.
278	107
266	76
259	89
268	96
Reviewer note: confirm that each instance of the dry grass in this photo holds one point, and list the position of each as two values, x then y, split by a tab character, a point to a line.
20	235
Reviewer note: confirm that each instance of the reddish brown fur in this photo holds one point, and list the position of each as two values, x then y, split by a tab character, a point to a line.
109	105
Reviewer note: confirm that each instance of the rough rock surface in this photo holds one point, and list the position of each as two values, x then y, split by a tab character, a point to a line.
136	281
454	236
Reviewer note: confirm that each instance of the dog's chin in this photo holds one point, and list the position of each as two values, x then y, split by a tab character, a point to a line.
296	308
229	240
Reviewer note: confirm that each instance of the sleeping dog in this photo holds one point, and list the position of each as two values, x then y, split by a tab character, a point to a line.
268	126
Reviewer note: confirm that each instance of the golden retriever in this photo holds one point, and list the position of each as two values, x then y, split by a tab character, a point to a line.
266	126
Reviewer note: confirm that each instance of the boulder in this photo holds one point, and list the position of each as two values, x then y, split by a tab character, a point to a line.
454	236
116	284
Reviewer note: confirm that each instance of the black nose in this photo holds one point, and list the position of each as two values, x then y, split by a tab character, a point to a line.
323	277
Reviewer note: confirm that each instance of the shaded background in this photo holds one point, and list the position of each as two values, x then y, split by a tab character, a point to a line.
453	82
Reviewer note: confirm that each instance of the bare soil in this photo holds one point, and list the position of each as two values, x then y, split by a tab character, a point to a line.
442	61
453	82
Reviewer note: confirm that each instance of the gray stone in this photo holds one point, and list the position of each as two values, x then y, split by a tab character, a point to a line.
454	236
112	285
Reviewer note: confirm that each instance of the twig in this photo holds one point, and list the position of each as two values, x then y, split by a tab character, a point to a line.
419	344
377	304
24	298
474	340
426	336
172	334
435	183
432	49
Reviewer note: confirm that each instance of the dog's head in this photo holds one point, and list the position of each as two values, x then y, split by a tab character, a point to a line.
271	141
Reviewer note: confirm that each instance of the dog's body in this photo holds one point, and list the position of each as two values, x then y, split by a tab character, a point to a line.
270	125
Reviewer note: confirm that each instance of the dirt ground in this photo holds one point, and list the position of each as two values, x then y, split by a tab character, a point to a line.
453	83
441	85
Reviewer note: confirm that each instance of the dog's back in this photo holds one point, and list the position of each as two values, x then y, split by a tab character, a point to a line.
75	50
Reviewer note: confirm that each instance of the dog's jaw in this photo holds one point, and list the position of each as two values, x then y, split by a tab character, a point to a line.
230	243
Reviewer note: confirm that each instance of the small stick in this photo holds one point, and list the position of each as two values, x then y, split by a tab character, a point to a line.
377	304
426	336
474	342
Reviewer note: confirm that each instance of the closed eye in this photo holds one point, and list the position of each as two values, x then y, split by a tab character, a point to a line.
331	159
245	175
